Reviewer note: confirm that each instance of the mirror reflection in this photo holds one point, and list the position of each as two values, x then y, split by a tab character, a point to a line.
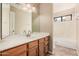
16	19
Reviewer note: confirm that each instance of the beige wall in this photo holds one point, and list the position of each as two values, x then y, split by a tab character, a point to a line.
36	19
42	20
46	20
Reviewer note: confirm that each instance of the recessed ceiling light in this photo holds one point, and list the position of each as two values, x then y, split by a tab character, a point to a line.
28	5
33	9
25	8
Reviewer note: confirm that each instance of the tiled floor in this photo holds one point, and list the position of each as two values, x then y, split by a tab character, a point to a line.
62	51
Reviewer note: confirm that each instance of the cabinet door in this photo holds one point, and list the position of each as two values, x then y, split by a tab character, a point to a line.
46	42
0	54
46	49
33	51
17	51
41	49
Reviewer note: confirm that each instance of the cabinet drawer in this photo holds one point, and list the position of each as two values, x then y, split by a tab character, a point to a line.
32	44
15	51
41	40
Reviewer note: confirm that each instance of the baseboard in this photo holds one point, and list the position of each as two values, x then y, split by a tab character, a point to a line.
51	52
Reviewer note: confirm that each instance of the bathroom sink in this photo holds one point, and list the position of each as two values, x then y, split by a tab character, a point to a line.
31	36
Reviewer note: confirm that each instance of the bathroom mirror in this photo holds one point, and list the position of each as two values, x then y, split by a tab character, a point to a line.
16	19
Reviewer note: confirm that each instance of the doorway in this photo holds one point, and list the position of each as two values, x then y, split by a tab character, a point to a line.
64	31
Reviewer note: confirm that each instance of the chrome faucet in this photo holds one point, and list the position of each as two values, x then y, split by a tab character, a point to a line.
29	33
24	32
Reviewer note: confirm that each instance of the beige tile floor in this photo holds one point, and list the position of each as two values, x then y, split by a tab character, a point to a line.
62	51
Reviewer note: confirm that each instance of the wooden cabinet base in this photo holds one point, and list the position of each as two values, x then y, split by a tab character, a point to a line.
33	51
41	47
46	50
17	51
0	54
34	48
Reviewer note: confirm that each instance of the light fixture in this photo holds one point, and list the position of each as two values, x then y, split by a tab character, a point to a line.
25	6
29	7
33	9
25	9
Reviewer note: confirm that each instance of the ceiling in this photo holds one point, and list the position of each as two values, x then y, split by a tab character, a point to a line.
20	5
57	7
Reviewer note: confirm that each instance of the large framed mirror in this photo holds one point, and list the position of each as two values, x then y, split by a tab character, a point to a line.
15	19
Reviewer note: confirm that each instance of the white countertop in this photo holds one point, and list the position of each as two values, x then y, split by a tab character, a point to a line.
15	40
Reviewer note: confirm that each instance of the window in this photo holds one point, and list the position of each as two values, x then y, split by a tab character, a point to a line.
67	18
63	18
57	19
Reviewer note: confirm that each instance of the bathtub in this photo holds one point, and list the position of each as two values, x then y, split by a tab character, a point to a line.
65	42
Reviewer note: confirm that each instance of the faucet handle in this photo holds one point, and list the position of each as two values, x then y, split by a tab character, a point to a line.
29	33
24	32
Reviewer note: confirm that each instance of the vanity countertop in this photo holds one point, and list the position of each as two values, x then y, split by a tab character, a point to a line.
16	40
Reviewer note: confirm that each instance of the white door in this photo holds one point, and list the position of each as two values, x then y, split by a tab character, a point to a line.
12	23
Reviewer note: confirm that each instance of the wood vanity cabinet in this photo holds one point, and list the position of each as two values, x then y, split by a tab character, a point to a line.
0	54
41	47
38	47
46	45
17	51
33	48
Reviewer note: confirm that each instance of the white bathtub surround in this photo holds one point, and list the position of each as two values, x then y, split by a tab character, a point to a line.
65	42
15	40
